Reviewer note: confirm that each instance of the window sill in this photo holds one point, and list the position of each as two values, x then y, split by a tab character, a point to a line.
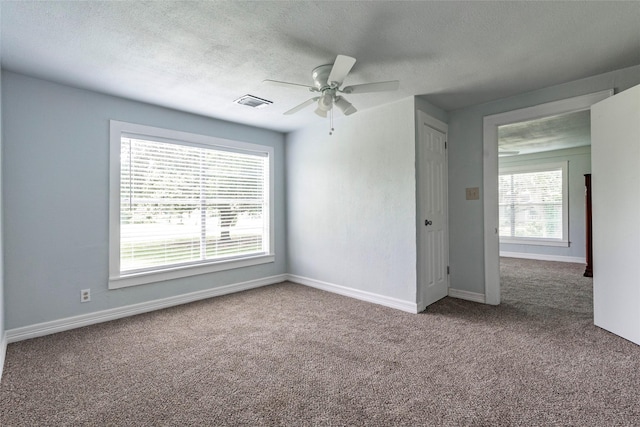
535	242
141	278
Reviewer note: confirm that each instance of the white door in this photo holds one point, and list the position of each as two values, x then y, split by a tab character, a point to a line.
615	174
433	234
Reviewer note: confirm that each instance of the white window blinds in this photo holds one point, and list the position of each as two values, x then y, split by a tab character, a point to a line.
183	204
532	204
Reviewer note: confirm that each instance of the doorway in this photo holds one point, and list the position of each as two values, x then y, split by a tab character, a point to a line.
491	175
542	211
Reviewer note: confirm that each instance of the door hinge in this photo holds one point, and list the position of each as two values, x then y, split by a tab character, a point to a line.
447	269
445	145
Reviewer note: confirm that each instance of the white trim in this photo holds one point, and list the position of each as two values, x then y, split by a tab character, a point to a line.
432	121
534	242
54	326
186	271
543	167
69	323
466	295
535	167
117	129
3	352
543	257
490	175
398	304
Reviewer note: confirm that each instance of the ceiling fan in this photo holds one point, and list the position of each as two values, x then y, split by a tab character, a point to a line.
327	80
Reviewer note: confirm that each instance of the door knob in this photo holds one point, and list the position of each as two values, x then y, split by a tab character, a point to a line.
427	222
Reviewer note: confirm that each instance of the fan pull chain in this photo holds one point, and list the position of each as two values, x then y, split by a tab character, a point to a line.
331	122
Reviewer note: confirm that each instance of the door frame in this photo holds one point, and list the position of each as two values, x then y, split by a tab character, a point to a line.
423	117
490	175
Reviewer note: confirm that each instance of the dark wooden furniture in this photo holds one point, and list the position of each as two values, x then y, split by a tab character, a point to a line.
588	272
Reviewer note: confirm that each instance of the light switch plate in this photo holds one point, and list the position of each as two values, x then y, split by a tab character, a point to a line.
473	193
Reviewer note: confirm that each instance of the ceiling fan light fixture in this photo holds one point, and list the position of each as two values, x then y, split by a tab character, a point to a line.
322	113
345	106
325	103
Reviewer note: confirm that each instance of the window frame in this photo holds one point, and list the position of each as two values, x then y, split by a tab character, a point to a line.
543	167
118	279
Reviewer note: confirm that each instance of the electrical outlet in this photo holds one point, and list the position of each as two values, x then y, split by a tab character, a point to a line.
85	295
473	193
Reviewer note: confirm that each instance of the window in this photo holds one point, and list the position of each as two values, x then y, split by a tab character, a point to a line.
533	204
185	204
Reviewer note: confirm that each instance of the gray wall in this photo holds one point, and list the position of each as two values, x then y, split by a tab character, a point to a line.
56	195
433	111
351	211
466	248
579	163
351	201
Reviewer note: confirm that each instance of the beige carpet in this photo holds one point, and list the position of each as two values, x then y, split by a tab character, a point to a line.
291	355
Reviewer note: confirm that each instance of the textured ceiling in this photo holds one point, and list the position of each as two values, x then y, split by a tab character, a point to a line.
546	134
200	56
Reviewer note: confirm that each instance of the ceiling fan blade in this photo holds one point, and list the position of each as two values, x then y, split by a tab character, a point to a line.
287	84
372	87
341	68
301	106
345	106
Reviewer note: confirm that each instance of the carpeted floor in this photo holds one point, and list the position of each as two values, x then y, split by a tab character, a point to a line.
291	355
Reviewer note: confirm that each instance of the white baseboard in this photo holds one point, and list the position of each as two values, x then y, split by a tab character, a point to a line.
3	351
543	257
46	328
408	306
466	295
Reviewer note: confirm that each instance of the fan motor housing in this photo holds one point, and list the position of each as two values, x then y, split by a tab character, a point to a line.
320	75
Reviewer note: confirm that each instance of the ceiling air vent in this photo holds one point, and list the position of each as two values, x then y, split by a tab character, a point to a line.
253	101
